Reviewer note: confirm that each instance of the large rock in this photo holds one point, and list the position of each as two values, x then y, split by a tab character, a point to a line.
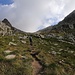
53	52
60	37
7	52
24	57
51	35
10	56
11	43
24	42
71	37
42	36
23	37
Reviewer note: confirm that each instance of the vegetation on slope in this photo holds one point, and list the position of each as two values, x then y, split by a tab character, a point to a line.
56	57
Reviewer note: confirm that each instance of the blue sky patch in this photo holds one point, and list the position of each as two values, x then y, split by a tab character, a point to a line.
5	2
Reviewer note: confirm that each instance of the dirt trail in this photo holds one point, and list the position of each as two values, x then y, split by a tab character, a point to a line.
36	65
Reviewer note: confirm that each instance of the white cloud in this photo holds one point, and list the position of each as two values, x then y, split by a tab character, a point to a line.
29	15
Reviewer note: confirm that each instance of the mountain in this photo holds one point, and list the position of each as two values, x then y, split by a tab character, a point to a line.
7	29
7	22
52	51
64	29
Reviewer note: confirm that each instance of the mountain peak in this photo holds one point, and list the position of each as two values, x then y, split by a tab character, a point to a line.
7	22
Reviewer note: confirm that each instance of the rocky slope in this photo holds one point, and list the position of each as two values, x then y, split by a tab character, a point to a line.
52	52
4	29
7	29
63	30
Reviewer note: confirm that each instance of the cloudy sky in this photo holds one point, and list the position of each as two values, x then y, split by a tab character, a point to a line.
32	15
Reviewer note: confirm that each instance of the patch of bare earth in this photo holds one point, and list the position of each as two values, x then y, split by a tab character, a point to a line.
36	67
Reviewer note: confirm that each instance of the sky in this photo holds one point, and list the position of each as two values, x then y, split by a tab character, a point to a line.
33	15
6	2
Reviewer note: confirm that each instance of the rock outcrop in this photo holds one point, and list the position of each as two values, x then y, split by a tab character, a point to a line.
5	29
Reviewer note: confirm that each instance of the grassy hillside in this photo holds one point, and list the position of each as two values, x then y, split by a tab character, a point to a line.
21	64
56	58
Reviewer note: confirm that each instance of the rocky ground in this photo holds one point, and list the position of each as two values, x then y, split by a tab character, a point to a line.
52	51
47	56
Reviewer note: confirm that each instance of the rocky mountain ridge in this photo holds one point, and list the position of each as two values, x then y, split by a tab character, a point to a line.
65	29
7	29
